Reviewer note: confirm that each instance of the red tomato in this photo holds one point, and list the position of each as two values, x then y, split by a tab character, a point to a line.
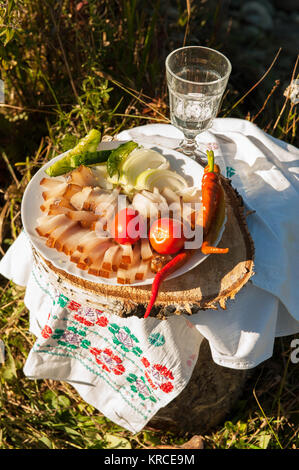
126	226
167	236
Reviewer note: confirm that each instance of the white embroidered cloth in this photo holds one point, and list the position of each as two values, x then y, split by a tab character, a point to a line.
130	368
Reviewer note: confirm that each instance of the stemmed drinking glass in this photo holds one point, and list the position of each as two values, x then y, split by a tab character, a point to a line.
196	77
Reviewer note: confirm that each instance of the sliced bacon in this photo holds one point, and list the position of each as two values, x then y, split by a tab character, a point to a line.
58	231
78	199
60	243
54	192
46	224
71	189
142	270
51	183
84	217
92	254
82	176
95	197
109	257
55	203
146	251
95	266
127	256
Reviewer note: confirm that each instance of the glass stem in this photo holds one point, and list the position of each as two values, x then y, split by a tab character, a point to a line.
188	146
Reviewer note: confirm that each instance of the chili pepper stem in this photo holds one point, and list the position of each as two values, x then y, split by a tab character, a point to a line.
210	155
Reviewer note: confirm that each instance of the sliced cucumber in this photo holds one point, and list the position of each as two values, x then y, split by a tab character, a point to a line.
86	146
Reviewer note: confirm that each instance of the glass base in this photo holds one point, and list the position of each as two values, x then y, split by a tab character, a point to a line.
190	148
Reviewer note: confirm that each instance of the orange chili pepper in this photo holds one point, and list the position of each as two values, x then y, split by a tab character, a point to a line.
213	205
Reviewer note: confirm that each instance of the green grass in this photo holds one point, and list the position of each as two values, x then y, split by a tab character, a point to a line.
67	70
50	414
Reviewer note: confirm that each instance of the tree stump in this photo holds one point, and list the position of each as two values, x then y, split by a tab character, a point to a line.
212	389
206	400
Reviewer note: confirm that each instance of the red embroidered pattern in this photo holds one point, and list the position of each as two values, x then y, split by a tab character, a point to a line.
46	332
72	305
158	376
102	321
108	360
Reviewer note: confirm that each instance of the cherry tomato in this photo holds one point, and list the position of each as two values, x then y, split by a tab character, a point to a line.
167	236
126	228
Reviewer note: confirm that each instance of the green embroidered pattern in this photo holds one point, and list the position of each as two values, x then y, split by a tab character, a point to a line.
71	337
230	171
140	387
156	339
62	300
123	337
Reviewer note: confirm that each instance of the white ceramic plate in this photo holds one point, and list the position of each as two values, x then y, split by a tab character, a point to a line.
32	200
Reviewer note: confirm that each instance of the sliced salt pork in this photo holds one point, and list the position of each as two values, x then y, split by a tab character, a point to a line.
84	217
142	270
100	247
122	276
92	243
76	256
132	269
73	240
55	210
51	183
84	242
54	192
58	231
82	176
127	255
95	196
146	251
70	190
78	199
117	259
107	264
46	224
60	243
95	266
55	203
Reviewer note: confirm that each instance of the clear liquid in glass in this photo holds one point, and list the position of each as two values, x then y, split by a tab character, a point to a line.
194	112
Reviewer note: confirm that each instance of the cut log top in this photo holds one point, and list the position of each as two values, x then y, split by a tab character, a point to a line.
206	286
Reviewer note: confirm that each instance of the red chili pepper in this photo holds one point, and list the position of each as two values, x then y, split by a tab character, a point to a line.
161	275
212	201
